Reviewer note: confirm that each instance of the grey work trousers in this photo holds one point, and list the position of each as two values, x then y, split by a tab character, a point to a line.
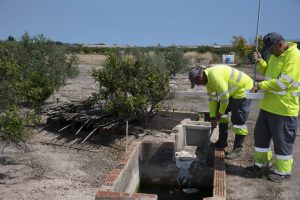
282	129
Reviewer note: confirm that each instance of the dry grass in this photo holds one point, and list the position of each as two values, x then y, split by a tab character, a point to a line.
90	59
200	58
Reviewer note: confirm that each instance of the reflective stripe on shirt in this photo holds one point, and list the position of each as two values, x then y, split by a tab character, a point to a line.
224	93
291	80
212	93
280	93
295	94
213	99
283	87
239	77
281	84
224	100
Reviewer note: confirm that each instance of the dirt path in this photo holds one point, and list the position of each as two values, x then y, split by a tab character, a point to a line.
48	169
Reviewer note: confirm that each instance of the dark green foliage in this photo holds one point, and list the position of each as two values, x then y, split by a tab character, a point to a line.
77	48
175	61
30	70
243	50
216	50
9	83
43	66
13	126
134	85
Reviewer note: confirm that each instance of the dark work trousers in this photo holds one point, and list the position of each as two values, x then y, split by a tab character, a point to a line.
239	109
282	129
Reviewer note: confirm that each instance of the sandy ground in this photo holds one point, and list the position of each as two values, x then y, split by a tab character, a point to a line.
56	166
49	169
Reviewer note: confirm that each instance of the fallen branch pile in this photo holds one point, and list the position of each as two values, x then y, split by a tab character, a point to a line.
71	114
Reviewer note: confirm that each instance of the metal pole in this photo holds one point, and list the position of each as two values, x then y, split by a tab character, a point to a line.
256	47
126	137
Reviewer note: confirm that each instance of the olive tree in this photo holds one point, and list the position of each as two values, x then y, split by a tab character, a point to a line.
176	62
43	66
134	85
30	70
244	50
13	120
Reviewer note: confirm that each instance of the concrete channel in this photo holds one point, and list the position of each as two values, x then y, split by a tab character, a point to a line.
153	170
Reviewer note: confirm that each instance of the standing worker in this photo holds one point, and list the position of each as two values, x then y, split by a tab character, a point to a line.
279	108
226	88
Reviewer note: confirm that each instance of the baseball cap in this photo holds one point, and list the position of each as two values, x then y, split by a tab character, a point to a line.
193	73
271	39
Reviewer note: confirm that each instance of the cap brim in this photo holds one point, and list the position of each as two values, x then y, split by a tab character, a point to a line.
266	48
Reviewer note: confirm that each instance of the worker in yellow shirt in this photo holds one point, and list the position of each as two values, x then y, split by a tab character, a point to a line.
279	108
226	89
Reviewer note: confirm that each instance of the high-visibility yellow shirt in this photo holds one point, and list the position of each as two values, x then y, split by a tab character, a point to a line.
224	82
282	81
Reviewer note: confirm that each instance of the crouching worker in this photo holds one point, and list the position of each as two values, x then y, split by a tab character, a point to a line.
226	89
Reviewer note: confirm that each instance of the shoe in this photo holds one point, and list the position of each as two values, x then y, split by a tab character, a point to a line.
260	172
278	177
255	171
236	153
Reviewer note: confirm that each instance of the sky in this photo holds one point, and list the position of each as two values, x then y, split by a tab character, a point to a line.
149	22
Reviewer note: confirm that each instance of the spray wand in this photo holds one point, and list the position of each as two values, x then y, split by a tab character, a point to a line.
257	95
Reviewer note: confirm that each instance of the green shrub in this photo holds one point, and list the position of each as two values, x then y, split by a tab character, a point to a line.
43	66
176	61
133	85
30	71
13	126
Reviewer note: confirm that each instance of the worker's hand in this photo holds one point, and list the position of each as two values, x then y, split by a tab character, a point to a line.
255	88
218	116
213	124
257	57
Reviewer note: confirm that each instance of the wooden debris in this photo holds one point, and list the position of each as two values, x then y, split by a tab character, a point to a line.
82	126
90	134
64	128
93	118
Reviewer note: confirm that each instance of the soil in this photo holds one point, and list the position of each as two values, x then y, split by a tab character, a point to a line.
59	166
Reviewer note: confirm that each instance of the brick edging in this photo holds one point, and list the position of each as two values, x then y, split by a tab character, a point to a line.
122	195
219	191
106	192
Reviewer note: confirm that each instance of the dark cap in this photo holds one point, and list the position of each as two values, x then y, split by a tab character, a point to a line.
193	73
271	39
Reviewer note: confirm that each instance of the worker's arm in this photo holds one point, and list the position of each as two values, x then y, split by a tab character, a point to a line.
261	64
212	102
286	80
221	87
262	67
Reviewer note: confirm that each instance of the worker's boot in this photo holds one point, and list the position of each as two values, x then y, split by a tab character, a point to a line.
223	134
237	148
